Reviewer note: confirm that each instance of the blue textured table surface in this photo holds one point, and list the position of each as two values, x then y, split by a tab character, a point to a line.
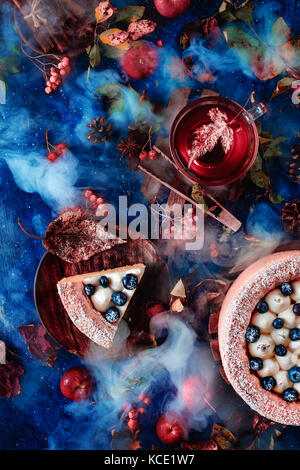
34	190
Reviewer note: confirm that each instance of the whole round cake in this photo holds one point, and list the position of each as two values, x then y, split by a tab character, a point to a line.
259	336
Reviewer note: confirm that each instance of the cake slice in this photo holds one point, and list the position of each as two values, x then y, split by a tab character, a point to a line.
96	302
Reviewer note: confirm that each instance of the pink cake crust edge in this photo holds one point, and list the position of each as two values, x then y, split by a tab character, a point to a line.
250	287
85	318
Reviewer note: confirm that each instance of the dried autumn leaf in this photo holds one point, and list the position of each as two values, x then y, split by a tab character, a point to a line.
257	174
94	55
115	37
130	13
39	343
206	137
223	437
9	379
281	32
282	86
197	195
73	237
104	11
139	29
202	445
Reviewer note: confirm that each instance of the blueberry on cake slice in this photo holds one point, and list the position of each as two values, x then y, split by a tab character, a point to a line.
96	302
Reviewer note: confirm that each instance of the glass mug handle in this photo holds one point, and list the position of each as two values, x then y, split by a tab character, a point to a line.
255	112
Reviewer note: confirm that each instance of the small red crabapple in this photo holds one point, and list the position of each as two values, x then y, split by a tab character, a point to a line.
143	155
153	155
132	424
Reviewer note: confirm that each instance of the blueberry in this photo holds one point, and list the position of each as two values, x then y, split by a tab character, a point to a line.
286	288
295	334
294	374
119	298
290	394
130	281
278	323
252	334
268	383
112	314
103	281
262	307
296	309
89	289
256	363
280	350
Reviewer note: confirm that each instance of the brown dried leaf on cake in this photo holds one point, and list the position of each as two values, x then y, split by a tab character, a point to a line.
206	137
39	343
74	237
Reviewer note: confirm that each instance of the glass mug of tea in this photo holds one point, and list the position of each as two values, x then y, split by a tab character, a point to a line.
218	166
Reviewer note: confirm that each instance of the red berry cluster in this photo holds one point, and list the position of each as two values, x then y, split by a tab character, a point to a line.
133	413
56	75
151	155
93	199
59	150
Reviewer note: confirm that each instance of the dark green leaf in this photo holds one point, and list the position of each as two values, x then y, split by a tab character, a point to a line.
94	55
130	13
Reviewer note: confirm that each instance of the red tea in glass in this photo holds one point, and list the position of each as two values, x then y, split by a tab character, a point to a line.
218	167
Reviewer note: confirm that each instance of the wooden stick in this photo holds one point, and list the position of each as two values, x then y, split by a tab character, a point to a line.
225	217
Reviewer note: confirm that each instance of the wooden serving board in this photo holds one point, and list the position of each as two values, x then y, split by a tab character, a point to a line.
154	287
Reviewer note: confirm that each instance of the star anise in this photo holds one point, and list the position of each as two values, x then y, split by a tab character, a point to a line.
129	147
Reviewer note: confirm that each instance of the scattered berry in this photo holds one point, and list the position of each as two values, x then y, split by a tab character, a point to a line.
133	414
278	323
256	363
61	148
252	334
119	298
268	383
52	156
286	289
280	350
133	424
290	394
143	155
262	307
159	43
154	309
89	289
112	314
295	334
152	154
103	281
130	281
294	374
296	309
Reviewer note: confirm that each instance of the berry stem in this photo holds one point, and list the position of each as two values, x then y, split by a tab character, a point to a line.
27	233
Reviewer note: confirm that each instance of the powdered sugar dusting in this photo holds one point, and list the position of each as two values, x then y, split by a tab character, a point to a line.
233	347
100	331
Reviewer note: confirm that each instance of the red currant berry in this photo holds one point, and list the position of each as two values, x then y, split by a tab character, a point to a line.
63	72
53	70
65	60
93	198
133	424
133	414
100	200
153	155
60	65
159	43
141	410
52	156
48	90
61	148
52	79
68	69
87	193
143	155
